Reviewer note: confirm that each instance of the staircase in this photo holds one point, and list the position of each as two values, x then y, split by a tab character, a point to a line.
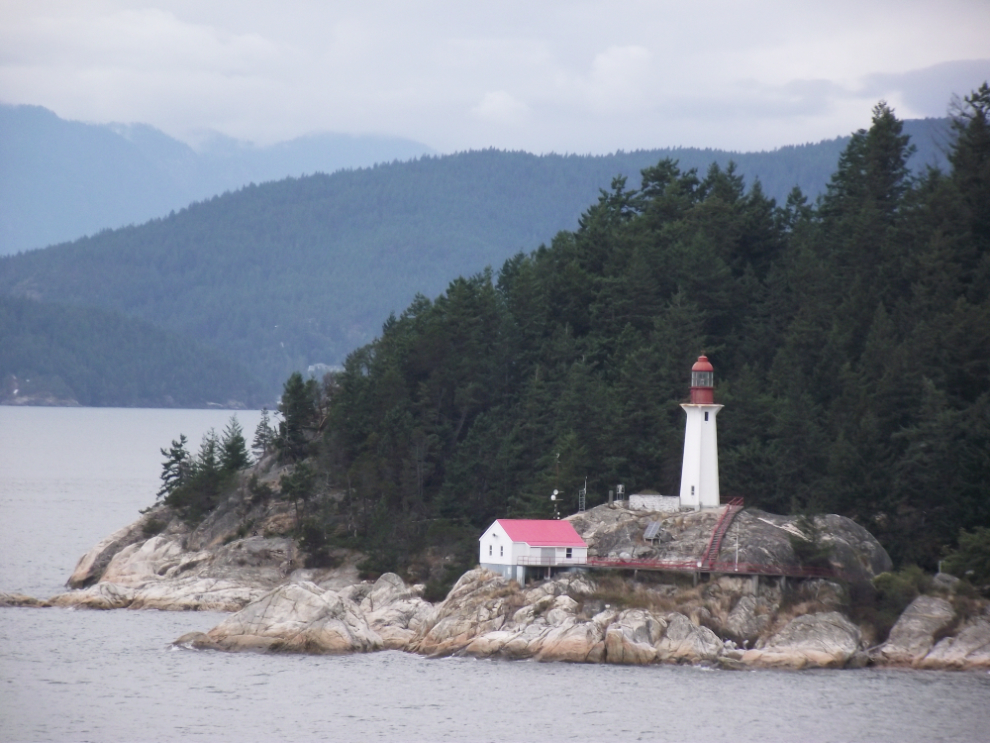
733	507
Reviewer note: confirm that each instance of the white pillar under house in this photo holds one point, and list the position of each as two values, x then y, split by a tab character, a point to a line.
699	470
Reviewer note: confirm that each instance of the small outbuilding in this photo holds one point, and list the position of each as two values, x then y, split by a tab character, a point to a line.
509	546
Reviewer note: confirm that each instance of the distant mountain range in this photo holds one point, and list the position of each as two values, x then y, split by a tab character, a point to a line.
289	274
60	180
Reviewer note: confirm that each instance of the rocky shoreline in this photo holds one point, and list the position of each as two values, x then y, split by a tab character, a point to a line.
599	616
486	616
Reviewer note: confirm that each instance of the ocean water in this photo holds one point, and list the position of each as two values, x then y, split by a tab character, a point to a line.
68	477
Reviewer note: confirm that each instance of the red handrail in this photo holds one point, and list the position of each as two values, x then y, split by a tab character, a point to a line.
720	566
724	522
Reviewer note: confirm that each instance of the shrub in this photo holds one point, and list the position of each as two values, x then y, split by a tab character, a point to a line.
438	588
261	492
881	602
317	544
154	525
971	561
810	551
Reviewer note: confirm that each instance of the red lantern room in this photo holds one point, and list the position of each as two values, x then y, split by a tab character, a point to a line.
702	382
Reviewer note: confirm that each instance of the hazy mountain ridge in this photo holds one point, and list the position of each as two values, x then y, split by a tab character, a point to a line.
63	179
60	180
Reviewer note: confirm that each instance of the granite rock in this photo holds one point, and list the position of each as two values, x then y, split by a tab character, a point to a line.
913	635
19	599
685	642
632	637
822	640
296	617
969	649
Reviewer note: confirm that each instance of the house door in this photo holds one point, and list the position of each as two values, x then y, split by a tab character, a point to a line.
547	555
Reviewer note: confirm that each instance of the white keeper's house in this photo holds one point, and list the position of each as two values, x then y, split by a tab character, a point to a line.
509	546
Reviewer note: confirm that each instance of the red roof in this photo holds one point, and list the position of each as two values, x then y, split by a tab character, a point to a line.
538	533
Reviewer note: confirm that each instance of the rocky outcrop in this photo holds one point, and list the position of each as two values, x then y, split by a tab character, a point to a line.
100	596
160	573
19	599
91	566
294	618
822	640
486	616
927	636
969	649
304	617
571	641
746	623
396	612
685	642
754	537
475	606
632	637
913	636
160	563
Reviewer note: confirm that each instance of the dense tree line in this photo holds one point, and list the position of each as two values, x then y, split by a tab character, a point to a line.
284	275
850	338
94	357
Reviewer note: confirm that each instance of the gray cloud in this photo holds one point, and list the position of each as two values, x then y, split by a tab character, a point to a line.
582	75
924	91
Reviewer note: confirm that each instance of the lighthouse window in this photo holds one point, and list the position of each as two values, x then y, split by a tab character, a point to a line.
501	551
489	550
702	379
706	415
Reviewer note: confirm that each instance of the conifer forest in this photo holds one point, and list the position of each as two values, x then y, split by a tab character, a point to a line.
850	339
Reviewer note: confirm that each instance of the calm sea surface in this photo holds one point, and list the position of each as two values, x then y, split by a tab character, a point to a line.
68	477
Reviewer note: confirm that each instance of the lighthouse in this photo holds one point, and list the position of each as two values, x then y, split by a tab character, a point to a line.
699	470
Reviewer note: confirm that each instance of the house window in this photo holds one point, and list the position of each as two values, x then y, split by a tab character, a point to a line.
501	551
489	550
569	553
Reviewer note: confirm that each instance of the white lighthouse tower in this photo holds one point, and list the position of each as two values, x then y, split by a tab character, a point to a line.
699	471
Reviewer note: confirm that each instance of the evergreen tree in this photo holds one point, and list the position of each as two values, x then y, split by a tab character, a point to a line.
298	409
264	436
972	559
970	158
297	486
176	468
233	448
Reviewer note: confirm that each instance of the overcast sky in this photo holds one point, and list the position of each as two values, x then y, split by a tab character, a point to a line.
540	76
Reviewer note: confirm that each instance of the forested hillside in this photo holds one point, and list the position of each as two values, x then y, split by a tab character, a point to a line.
850	340
303	271
53	354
